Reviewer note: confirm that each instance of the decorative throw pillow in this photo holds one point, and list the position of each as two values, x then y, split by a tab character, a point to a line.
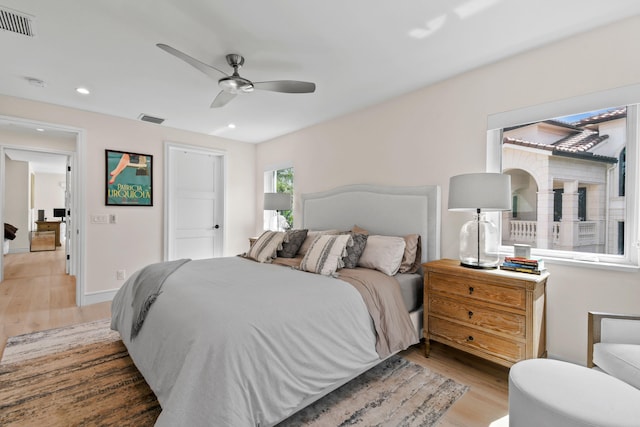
311	236
266	247
293	239
354	252
325	254
383	253
412	254
359	230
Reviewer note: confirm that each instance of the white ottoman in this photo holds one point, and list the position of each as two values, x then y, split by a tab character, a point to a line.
551	393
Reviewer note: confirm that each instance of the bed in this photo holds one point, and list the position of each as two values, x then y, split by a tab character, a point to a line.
234	342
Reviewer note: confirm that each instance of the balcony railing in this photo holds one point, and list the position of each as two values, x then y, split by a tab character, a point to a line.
588	232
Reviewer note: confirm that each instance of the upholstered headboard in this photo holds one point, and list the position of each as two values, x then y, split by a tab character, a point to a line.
391	211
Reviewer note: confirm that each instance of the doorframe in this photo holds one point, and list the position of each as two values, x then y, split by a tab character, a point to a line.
78	188
168	204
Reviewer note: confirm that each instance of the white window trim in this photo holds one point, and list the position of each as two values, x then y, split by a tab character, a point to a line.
629	96
269	181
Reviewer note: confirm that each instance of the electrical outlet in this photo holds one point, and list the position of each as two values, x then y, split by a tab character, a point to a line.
112	218
121	274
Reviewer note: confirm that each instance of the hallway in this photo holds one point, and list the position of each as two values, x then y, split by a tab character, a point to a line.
37	295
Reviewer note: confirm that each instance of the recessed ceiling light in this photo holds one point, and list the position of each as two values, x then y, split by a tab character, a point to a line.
83	90
231	126
40	129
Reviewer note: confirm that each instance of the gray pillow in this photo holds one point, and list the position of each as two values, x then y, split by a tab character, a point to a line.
355	252
292	241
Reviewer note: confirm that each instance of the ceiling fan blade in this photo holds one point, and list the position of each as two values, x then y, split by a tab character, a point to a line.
210	71
222	99
286	86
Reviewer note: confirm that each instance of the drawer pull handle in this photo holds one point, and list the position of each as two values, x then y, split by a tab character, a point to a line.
470	314
470	338
471	290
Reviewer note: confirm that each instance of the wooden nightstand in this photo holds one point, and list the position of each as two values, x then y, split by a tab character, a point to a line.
494	314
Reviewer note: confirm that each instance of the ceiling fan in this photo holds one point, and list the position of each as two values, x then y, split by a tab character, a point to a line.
234	84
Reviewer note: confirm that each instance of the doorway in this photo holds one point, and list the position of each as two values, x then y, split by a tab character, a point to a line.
195	199
44	139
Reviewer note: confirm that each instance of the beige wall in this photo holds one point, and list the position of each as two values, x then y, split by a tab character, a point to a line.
137	238
48	194
429	135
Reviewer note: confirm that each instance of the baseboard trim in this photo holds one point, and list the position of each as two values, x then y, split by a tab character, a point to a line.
98	297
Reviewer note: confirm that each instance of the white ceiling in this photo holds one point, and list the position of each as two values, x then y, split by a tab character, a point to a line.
40	162
358	53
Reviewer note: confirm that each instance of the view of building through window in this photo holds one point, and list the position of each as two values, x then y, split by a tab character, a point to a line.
567	182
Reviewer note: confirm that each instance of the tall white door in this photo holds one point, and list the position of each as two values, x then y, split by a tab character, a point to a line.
195	205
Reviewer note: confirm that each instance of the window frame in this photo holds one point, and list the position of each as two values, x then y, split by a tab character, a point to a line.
629	96
270	185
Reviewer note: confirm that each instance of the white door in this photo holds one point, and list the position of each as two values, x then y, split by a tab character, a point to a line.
195	203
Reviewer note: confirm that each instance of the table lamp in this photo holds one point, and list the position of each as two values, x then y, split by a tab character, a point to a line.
277	202
480	192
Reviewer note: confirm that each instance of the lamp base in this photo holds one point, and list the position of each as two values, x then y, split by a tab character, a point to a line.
479	243
478	266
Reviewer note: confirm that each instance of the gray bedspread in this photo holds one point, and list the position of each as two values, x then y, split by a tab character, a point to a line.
231	342
146	285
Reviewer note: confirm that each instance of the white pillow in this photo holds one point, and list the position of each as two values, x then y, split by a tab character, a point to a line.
266	247
383	253
325	254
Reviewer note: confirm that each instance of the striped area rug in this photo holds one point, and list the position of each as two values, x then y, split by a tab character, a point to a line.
83	375
397	392
80	375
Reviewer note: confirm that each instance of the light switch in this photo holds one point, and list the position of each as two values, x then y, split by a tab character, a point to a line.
99	219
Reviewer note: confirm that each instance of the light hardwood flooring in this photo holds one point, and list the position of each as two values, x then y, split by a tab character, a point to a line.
37	295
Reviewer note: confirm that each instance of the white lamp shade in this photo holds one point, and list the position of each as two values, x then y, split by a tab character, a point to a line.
484	191
277	201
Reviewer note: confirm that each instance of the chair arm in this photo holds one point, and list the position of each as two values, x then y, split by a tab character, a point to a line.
595	329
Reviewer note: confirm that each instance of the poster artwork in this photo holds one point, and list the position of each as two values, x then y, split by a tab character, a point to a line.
128	179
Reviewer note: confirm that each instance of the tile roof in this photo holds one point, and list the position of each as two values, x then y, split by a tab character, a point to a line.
599	118
578	143
581	142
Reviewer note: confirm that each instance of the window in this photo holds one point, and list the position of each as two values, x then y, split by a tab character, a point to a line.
574	182
278	181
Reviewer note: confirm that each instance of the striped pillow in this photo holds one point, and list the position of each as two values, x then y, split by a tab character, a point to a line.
266	247
325	254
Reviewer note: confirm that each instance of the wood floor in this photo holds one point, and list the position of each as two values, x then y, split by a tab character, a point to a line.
37	295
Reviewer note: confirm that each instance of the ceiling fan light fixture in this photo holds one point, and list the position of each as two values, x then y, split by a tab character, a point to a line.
235	84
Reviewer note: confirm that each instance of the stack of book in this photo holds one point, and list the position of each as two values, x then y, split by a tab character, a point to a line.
523	265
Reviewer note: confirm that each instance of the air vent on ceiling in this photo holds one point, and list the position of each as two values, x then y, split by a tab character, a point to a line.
16	22
151	119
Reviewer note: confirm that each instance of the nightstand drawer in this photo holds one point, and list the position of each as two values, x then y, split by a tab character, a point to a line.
463	310
477	290
472	339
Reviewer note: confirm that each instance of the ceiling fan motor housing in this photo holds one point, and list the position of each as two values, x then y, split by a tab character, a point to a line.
234	83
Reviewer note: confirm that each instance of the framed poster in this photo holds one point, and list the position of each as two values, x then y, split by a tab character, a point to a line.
129	179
